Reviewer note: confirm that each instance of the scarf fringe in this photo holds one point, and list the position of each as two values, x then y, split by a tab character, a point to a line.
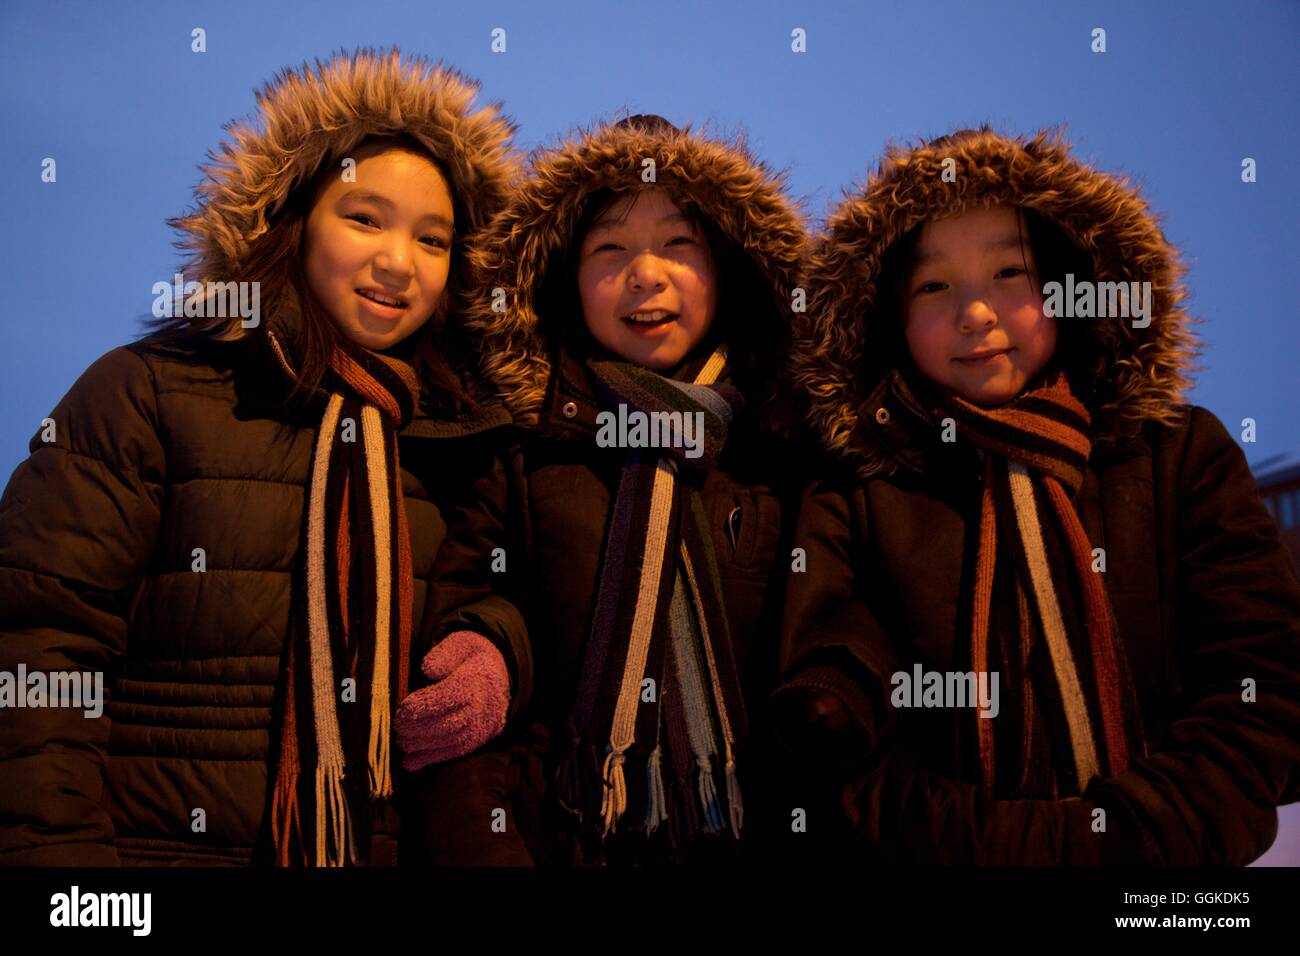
708	792
614	799
685	823
285	821
657	806
333	840
381	779
734	803
568	781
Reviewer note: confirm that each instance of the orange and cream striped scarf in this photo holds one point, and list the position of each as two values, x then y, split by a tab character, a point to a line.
347	659
1038	612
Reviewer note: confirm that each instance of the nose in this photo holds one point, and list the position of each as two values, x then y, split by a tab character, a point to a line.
977	315
394	257
646	271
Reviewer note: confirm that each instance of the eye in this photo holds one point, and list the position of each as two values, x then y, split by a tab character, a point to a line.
604	246
932	286
676	240
436	242
1010	272
360	217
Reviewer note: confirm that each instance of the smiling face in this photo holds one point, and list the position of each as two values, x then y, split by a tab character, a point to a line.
377	251
647	281
973	307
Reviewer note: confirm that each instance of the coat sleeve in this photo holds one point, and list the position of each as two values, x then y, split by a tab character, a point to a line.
78	523
831	642
1209	793
478	574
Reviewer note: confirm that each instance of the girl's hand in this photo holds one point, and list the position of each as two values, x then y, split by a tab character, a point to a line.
463	709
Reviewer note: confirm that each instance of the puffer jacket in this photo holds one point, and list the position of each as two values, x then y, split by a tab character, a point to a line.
547	498
1206	600
185	442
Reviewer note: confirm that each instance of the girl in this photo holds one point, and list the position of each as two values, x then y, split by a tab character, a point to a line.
225	508
640	271
1026	498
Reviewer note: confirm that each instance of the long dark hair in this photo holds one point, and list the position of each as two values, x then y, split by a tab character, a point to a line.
440	350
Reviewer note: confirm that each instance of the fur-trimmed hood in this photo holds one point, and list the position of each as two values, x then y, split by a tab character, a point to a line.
743	199
314	116
841	348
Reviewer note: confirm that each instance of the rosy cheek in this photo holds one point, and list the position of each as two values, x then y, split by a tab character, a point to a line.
605	302
697	300
1029	316
598	286
926	338
1044	327
343	256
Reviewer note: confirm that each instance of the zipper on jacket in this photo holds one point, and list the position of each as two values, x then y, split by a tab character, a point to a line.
733	528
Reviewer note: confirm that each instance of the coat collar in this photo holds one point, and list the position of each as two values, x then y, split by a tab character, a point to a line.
572	402
909	435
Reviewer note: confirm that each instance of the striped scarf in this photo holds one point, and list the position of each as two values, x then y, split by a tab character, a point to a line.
654	728
1039	614
347	656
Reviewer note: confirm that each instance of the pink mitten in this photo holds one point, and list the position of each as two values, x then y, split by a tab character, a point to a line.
463	709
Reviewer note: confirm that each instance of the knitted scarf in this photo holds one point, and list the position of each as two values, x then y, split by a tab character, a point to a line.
658	694
347	657
1039	614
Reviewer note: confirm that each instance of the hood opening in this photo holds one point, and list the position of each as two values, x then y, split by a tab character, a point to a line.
1080	220
258	188
529	254
744	317
1078	352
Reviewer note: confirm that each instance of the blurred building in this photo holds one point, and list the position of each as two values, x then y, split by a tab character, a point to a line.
1278	479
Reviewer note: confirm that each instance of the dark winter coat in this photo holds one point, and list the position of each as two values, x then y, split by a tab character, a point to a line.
1206	599
548	497
175	444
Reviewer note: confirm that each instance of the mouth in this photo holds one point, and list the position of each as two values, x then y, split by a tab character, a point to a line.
983	357
386	306
648	321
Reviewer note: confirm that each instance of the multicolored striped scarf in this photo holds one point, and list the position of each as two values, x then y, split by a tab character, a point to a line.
347	658
1038	611
659	694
